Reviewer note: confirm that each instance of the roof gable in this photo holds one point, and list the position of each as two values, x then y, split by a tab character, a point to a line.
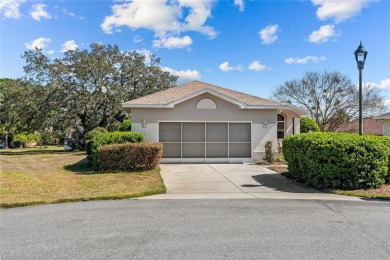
170	97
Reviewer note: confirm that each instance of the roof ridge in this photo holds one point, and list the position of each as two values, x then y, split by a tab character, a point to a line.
243	93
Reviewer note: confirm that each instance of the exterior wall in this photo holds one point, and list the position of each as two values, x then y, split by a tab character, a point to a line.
386	127
297	125
225	112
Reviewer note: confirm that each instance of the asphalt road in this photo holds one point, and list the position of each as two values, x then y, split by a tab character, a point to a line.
198	229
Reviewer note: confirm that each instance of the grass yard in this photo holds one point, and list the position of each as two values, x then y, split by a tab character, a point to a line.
50	175
380	193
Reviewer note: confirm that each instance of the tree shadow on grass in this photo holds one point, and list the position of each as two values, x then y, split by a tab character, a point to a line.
81	167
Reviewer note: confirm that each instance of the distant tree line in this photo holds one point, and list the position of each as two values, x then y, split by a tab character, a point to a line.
71	95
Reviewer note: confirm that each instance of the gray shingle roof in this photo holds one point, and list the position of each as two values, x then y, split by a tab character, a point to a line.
383	116
180	92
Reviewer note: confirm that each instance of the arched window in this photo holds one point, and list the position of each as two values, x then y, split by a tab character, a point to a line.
280	126
206	103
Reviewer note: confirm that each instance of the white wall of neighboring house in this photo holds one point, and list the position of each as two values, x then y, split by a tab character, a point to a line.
386	127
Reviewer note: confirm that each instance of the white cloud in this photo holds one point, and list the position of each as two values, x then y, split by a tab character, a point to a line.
323	34
184	75
39	43
384	84
161	16
51	52
257	66
305	60
10	8
387	102
67	12
69	46
38	12
269	35
167	19
339	10
240	4
225	66
172	42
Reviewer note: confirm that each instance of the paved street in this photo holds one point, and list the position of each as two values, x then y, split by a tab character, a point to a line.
198	229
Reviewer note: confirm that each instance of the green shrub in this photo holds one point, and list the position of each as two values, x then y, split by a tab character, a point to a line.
337	160
126	126
128	157
26	139
88	136
308	125
269	153
386	141
113	138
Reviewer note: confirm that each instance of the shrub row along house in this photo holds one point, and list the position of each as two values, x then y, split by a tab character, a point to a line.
203	123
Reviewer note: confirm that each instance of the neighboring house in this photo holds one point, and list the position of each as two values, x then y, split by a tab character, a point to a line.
385	119
370	127
199	122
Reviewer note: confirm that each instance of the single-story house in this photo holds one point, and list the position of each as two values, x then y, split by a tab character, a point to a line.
201	123
385	118
370	127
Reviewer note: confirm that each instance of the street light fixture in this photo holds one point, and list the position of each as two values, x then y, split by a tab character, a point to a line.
360	56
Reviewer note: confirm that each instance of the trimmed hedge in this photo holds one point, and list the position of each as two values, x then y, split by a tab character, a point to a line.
88	136
98	130
386	141
128	157
307	124
113	138
338	160
126	125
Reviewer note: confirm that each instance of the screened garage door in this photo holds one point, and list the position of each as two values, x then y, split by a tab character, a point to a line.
204	141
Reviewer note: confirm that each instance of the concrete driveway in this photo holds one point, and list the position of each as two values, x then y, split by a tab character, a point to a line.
233	181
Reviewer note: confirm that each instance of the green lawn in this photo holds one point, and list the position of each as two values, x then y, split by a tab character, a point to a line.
50	175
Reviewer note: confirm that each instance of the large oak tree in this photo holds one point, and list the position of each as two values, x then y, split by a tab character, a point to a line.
84	89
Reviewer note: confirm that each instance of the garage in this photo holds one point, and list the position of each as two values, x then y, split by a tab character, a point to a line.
201	123
205	141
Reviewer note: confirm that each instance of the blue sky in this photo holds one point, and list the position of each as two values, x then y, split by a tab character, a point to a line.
248	46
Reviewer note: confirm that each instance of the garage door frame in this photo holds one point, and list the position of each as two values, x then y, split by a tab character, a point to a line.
205	159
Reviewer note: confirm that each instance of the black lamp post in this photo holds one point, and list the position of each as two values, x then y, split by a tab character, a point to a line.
360	56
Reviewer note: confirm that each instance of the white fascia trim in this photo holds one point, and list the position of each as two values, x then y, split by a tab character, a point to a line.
298	110
215	93
178	101
267	107
124	105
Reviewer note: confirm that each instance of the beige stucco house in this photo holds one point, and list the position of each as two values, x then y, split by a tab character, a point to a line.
202	123
385	118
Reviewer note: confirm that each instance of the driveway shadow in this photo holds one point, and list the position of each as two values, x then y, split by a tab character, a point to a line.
278	182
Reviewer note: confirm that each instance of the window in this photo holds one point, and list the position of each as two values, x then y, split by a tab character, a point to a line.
280	126
206	103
